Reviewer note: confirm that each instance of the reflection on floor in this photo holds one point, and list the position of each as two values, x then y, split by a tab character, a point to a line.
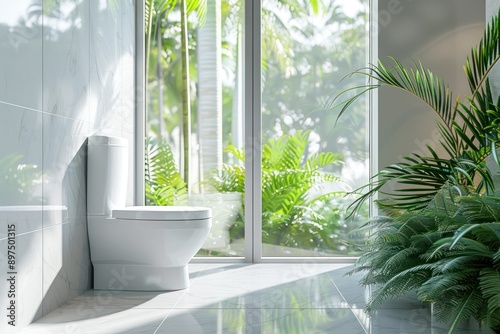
236	298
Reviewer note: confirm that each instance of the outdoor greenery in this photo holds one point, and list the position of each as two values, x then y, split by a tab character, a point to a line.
164	184
299	79
439	232
19	180
300	68
296	212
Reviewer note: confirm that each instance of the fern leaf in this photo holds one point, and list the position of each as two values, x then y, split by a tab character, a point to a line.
489	282
459	309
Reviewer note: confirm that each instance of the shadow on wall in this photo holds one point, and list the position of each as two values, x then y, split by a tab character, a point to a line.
67	271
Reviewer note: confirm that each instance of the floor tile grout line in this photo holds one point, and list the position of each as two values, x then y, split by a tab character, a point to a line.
350	308
164	318
198	278
170	309
177	302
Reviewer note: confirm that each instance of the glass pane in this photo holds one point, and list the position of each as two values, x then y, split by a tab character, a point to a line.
201	165
310	161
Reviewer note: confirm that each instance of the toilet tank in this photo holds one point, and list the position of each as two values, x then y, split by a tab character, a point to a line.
107	171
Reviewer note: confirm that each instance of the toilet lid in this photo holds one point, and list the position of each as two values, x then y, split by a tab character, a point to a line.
163	213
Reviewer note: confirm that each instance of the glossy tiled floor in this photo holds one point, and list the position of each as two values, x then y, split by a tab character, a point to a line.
261	298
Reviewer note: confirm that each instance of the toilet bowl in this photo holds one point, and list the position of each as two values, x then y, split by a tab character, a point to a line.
137	247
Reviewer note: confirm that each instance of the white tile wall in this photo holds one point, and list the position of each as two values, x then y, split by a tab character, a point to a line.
21	53
66	72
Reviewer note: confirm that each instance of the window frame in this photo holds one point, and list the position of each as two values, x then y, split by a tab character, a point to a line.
252	95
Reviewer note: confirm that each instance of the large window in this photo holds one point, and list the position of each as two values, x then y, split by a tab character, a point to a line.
214	89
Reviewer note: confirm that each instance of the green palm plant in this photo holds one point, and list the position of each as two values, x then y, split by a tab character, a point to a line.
290	206
440	233
449	253
465	278
468	125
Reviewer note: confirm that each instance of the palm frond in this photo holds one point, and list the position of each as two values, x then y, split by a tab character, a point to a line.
481	208
238	153
231	178
439	283
419	179
459	309
458	263
400	259
198	6
484	56
469	128
489	282
322	159
416	80
398	285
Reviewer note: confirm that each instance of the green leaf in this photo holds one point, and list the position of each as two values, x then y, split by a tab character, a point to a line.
469	128
489	282
164	184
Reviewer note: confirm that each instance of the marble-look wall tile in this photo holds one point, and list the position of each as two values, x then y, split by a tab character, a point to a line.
27	280
26	218
55	90
112	76
64	164
78	266
66	27
56	285
112	102
66	266
66	259
21	53
112	43
20	156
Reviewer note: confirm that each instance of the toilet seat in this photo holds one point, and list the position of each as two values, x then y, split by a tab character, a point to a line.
163	213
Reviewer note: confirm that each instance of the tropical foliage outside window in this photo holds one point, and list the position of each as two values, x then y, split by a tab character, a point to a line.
194	101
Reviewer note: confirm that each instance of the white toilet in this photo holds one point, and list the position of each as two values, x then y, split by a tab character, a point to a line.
139	247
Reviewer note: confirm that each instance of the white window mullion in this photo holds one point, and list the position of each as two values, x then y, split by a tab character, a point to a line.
253	146
372	107
140	105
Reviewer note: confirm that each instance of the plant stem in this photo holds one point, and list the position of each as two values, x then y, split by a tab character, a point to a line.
149	18
186	108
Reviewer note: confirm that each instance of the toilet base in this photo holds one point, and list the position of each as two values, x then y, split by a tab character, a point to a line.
140	278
